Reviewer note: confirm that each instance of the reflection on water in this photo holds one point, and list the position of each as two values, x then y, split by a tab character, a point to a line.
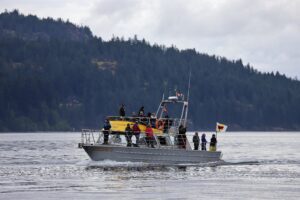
157	168
50	166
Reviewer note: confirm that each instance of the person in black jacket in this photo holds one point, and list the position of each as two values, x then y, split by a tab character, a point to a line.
196	141
203	142
213	143
141	112
128	135
182	137
122	111
106	129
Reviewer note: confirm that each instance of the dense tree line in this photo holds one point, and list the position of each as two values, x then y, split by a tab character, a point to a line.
55	75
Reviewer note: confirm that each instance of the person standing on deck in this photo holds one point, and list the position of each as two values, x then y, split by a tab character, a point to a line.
149	136
106	129
128	135
196	141
166	124
122	111
141	112
136	132
213	143
203	142
182	137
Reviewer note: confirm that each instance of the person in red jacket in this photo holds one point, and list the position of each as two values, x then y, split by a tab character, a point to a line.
136	132
149	136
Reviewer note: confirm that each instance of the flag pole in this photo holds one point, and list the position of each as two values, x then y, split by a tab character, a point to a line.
216	130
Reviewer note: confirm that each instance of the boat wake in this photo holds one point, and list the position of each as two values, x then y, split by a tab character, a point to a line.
242	163
114	165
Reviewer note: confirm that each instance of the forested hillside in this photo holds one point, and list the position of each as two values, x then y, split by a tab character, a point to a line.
56	76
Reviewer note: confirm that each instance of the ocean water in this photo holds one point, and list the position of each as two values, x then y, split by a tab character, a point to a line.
262	165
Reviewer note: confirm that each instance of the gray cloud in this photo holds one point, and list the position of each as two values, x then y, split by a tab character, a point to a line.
262	33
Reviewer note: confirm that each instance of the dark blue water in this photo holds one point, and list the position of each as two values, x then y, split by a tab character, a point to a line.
50	166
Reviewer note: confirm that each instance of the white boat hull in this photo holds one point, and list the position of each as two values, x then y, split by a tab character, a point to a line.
99	152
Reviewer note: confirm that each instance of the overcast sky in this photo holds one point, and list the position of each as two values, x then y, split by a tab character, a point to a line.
263	33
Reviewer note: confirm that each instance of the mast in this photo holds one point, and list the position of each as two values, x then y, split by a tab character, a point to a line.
187	102
160	106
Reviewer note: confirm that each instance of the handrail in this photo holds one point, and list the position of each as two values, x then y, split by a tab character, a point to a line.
138	118
88	138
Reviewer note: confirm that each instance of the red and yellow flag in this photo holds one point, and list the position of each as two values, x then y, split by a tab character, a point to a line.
221	127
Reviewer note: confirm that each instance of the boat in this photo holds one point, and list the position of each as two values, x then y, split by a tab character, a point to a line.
169	147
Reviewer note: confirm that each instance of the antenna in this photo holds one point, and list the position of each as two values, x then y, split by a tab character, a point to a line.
188	97
188	94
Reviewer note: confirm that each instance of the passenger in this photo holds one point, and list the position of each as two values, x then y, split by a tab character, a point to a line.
153	122
148	119
182	137
106	129
136	132
149	136
166	124
159	124
122	110
196	141
213	143
141	112
128	135
203	142
179	138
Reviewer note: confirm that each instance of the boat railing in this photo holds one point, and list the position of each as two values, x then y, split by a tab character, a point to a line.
93	137
88	136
